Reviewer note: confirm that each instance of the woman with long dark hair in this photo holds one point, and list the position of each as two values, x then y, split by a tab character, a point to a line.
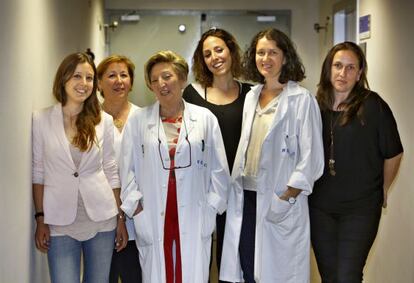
216	68
362	156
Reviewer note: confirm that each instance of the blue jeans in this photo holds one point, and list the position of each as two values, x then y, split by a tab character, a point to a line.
64	257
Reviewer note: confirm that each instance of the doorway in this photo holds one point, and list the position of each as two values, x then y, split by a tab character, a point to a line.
345	21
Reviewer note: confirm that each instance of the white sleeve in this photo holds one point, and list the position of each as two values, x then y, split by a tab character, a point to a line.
311	160
37	151
130	194
109	165
220	177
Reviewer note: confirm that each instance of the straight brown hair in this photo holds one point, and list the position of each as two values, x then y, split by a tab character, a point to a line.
90	116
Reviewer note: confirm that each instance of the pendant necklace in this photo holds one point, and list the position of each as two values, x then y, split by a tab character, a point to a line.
118	122
331	162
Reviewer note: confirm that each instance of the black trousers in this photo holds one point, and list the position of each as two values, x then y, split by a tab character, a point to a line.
342	241
125	265
220	225
247	236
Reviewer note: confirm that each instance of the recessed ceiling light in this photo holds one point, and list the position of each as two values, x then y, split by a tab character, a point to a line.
182	28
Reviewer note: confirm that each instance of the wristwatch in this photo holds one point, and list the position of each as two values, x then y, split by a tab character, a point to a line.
291	200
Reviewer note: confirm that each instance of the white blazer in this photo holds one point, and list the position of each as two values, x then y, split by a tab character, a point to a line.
201	188
53	167
292	155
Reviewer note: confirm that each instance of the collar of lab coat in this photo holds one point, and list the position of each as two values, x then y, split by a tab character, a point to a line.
154	120
291	89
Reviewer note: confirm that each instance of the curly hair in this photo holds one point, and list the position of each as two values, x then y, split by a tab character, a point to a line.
292	69
325	94
90	115
178	63
200	70
103	66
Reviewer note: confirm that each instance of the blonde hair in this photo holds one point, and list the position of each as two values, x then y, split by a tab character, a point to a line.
178	63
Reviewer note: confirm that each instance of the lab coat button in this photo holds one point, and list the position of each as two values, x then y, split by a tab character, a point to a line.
162	213
76	174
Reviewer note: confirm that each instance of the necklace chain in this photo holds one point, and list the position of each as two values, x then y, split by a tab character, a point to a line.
331	162
118	122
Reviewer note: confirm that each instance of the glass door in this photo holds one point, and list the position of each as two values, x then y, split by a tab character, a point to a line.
345	21
179	31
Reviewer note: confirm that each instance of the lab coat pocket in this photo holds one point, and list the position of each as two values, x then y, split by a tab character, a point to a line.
208	216
289	146
143	229
280	214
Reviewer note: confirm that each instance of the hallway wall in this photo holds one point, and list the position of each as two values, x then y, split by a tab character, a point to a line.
35	36
390	73
304	15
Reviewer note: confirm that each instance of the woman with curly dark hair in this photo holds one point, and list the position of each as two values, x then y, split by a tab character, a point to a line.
279	157
216	67
362	153
76	185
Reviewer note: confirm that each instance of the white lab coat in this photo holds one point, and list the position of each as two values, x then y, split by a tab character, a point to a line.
202	188
292	155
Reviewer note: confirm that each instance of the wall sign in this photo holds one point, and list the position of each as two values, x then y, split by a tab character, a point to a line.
365	27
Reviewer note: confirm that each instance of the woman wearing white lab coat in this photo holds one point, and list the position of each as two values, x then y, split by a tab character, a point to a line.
153	159
279	157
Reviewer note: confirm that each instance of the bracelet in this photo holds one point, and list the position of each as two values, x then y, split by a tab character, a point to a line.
39	214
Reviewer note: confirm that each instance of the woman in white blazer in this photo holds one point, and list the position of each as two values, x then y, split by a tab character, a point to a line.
75	178
279	157
174	177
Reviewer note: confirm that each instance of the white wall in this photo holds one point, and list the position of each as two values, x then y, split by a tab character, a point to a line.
390	73
304	15
325	36
35	36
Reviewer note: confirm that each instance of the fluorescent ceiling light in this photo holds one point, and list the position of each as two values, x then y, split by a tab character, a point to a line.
266	18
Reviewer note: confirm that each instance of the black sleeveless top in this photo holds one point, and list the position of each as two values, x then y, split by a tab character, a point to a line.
229	117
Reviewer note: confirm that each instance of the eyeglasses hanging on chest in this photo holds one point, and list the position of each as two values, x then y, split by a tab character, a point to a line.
172	159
